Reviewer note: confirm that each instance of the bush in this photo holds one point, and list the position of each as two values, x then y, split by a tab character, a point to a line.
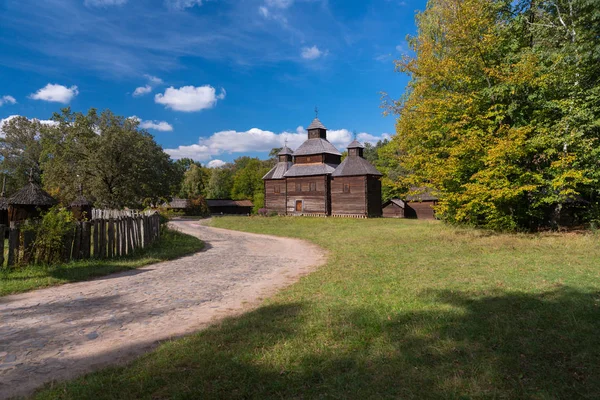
50	233
258	201
263	212
199	207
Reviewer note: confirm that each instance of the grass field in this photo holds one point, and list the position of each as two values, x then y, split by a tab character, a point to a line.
21	279
402	309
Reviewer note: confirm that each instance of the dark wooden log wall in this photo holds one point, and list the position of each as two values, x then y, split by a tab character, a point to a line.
374	196
422	210
275	201
315	202
353	202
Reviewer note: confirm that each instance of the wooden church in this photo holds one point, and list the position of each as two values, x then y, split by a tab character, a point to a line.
313	180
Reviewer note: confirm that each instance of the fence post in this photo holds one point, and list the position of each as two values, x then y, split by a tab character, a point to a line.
102	238
85	240
95	237
2	235
13	244
111	238
28	239
157	218
68	246
77	242
119	250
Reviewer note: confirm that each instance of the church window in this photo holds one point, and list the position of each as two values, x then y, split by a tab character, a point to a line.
313	186
298	187
277	189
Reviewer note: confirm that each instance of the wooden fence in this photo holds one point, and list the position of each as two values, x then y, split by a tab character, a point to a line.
114	236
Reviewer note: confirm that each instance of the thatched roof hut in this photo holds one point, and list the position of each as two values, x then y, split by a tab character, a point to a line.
28	202
81	207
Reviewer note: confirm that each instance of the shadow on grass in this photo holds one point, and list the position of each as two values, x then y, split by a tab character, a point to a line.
498	345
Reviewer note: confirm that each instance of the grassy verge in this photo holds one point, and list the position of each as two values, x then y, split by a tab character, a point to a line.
172	245
402	309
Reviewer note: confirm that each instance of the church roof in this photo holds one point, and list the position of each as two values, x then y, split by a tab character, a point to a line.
353	165
309	170
316	146
355	144
285	151
278	171
316	124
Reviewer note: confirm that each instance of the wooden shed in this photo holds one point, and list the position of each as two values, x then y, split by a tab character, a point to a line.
395	208
81	208
421	203
229	207
178	204
29	202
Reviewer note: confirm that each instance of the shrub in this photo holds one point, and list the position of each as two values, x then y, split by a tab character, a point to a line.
258	201
263	212
50	232
199	207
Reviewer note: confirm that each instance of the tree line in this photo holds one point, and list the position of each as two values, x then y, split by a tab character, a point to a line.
501	116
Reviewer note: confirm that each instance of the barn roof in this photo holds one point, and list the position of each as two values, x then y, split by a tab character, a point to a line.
422	194
353	165
178	203
316	124
31	195
316	146
3	203
278	171
397	202
228	203
81	201
309	170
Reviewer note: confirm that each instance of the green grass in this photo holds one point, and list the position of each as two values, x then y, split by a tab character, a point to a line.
402	309
172	245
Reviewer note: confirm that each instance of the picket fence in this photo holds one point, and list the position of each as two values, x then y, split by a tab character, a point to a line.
110	233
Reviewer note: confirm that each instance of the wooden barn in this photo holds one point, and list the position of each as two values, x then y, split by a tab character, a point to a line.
178	204
421	203
395	208
229	207
314	181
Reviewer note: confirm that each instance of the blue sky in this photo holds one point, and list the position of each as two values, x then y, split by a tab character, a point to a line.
211	79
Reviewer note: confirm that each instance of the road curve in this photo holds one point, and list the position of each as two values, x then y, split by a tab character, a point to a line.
65	331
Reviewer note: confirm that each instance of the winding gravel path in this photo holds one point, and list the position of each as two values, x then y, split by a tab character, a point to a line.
65	331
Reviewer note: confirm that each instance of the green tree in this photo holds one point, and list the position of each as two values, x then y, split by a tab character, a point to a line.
220	183
501	111
248	177
195	181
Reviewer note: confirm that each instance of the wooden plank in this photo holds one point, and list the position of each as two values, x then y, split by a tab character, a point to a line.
2	236
77	242
111	239
68	245
13	244
28	239
101	238
86	238
119	249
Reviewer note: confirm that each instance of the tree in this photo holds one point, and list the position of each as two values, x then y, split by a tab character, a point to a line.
20	149
499	113
248	177
220	183
117	163
194	183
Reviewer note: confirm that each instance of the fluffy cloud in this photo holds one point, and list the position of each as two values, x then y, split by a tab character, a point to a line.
182	4
156	125
311	53
55	93
7	100
190	98
153	80
258	140
216	163
104	3
142	90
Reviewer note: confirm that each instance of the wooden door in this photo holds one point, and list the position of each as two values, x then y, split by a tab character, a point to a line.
298	205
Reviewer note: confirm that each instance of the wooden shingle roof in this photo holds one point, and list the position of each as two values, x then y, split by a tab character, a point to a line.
316	146
309	170
278	171
316	124
31	195
353	166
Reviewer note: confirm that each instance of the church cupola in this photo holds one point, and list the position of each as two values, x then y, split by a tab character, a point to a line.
355	149
317	130
285	155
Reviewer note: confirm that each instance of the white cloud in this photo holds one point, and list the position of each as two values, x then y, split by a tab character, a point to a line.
7	100
311	53
264	11
215	163
156	125
190	98
142	90
104	3
182	4
55	93
258	140
153	79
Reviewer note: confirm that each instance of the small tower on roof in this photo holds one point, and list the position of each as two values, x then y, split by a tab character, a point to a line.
285	155
355	149
316	129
